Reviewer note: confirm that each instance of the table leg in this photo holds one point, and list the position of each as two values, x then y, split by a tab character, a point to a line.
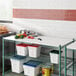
65	61
14	48
60	60
73	62
3	57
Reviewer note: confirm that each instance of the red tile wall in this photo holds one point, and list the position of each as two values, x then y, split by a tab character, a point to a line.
48	14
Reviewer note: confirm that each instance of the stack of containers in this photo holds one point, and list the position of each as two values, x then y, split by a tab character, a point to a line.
34	50
32	68
18	60
17	63
22	51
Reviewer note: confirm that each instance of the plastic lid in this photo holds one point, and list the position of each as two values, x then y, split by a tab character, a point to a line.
23	45
55	51
34	45
18	57
32	63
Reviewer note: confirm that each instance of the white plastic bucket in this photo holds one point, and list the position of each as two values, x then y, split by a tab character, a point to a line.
34	50
17	63
22	49
54	56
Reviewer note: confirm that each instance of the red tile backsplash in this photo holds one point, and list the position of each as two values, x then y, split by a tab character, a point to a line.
48	14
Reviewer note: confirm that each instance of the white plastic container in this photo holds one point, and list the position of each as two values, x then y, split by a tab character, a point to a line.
32	68
54	56
17	63
22	49
34	50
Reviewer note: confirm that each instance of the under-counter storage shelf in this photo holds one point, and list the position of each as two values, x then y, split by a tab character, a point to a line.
69	72
45	59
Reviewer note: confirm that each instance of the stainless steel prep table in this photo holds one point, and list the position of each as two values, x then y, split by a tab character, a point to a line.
57	43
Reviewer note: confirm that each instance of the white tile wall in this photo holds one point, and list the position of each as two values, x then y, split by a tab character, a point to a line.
6	10
65	29
45	4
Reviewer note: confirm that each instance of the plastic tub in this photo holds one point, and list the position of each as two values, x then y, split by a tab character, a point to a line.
17	63
22	49
34	50
32	68
54	56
